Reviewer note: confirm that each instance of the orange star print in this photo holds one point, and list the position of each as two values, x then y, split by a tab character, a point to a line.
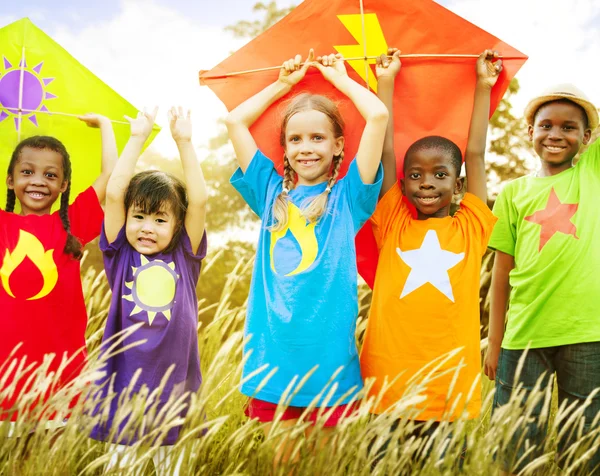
556	217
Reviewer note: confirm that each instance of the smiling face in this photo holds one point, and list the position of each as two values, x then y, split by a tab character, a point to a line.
558	131
37	179
310	145
430	181
150	233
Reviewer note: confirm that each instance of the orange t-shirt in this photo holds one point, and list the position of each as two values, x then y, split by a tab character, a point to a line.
426	304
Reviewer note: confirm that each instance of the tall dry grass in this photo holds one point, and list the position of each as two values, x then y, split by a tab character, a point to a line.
218	439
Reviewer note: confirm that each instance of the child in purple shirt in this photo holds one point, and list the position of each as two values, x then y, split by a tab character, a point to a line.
153	243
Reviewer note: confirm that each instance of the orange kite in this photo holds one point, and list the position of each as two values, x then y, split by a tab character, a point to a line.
434	94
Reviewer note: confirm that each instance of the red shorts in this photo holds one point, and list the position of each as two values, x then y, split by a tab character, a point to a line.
265	412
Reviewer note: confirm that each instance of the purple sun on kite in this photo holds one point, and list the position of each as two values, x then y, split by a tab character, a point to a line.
29	83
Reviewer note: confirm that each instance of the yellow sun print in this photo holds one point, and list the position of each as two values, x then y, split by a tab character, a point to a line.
153	288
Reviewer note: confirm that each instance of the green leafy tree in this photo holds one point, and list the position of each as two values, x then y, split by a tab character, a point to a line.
250	29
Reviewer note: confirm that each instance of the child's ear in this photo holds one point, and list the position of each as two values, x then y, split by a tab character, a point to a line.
459	186
64	186
9	182
587	135
530	132
339	145
402	186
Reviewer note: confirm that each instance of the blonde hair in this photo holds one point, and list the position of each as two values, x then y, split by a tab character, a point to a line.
315	207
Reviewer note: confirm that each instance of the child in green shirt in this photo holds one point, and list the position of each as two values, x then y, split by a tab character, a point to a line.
547	256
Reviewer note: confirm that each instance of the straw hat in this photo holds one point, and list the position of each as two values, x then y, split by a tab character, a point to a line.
563	91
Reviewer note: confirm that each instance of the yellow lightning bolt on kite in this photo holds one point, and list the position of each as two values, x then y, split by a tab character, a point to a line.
374	44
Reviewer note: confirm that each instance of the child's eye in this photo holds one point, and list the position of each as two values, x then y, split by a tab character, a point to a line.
441	175
545	126
50	175
26	172
318	137
568	128
160	220
294	139
415	176
138	217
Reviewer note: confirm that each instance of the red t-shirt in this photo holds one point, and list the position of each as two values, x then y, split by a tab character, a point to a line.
41	299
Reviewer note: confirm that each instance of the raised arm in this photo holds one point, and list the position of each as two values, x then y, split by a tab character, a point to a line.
386	70
115	213
500	291
239	120
488	69
369	106
195	216
109	151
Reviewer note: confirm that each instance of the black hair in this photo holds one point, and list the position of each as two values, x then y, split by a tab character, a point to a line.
151	190
439	143
586	124
72	246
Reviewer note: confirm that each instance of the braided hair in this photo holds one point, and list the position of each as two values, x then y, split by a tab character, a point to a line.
72	245
314	208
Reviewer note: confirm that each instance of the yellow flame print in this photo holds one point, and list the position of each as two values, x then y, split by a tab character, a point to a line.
30	247
305	235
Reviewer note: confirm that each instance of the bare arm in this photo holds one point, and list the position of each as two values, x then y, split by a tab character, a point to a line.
239	120
500	292
115	213
487	75
109	151
195	216
370	108
386	75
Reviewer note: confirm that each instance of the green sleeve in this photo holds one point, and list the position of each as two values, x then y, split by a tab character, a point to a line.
504	235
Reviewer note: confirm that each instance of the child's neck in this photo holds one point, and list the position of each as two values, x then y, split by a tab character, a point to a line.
548	169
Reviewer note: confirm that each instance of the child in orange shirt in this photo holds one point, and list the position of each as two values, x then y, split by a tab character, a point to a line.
426	294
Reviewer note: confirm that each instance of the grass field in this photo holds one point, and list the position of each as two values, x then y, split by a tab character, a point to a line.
219	439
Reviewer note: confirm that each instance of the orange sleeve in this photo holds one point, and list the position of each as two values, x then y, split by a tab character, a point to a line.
477	218
390	209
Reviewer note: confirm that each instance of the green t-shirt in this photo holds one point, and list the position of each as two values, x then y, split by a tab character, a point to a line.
551	225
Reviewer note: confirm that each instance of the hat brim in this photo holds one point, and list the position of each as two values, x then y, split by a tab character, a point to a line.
588	107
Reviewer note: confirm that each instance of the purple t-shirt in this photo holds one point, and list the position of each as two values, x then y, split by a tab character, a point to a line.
158	292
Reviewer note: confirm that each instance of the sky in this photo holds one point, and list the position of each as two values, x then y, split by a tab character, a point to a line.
150	51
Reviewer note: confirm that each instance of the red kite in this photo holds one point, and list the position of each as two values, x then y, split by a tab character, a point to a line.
434	94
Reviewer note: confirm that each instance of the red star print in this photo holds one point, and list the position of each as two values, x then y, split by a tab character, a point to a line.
554	218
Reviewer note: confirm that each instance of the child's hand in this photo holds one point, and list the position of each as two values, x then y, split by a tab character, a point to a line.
488	68
181	124
490	364
94	120
292	71
332	66
142	125
386	67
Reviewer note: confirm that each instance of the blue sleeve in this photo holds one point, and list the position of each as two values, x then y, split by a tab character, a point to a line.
361	197
259	181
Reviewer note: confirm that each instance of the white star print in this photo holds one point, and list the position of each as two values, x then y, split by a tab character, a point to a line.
429	264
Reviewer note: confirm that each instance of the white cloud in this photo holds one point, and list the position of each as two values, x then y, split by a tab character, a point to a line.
561	38
151	55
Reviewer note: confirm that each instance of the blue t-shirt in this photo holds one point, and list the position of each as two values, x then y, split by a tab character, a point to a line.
303	303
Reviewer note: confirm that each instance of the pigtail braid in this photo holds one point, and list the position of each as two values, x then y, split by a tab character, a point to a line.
72	246
280	206
11	199
318	205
